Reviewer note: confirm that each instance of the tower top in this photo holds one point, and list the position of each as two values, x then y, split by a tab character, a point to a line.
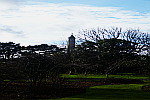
71	36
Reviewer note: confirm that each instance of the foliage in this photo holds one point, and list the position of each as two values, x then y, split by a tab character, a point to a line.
102	54
110	49
8	69
32	69
37	68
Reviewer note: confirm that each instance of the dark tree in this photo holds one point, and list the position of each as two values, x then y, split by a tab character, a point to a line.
114	47
10	71
37	68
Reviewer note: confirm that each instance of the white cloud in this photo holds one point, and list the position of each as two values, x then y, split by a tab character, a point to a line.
46	22
10	5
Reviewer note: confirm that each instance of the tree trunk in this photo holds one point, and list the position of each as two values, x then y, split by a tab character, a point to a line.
106	75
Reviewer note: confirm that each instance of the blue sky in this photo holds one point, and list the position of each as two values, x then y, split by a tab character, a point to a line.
52	21
136	5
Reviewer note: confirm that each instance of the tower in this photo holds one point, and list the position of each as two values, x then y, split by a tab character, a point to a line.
71	42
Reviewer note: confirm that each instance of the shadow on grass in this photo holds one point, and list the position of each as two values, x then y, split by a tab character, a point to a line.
106	93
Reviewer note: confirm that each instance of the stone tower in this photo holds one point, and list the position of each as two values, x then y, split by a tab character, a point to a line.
71	42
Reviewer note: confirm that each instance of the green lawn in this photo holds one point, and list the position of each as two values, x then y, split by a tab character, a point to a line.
130	76
111	92
114	92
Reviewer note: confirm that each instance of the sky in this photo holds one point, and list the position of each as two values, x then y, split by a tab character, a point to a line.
34	22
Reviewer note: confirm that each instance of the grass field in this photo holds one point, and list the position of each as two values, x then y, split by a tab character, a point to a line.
129	76
114	92
111	92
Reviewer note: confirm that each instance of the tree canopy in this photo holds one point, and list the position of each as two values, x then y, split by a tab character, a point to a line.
110	49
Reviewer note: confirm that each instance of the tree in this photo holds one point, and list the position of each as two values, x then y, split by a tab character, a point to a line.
9	49
115	47
10	71
81	57
102	54
32	71
36	68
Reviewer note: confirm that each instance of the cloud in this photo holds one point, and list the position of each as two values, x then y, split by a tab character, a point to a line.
15	2
10	33
10	29
42	22
10	5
